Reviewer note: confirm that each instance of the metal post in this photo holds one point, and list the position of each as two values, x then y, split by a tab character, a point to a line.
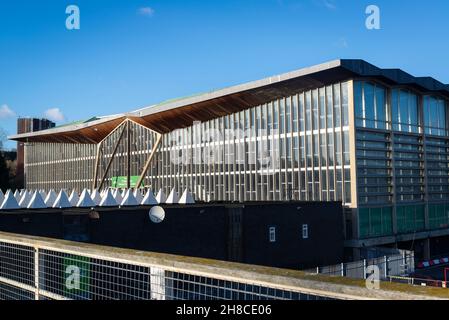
36	273
364	269
342	269
157	283
386	267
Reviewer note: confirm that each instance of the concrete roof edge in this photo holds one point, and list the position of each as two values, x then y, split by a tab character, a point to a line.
66	128
356	66
238	88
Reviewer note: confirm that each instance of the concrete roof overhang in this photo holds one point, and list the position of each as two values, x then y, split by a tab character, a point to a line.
181	113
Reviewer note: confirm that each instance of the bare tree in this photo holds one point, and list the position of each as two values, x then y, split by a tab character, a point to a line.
5	173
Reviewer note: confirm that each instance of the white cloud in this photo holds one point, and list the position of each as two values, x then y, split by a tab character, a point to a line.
329	4
54	114
146	11
6	112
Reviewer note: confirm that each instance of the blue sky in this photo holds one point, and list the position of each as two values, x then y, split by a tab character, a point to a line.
130	54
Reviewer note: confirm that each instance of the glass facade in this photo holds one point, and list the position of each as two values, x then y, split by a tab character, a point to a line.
435	120
375	222
293	148
410	218
402	160
404	110
298	147
371	105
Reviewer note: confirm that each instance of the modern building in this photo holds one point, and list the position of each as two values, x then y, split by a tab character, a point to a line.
27	125
375	139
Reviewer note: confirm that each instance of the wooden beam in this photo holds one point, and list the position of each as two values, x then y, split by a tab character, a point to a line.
150	158
97	162
112	157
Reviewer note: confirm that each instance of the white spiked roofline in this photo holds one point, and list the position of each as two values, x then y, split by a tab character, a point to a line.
129	200
25	200
10	202
138	195
186	198
51	198
43	194
62	201
103	198
172	197
85	200
117	196
149	199
108	200
74	198
96	197
36	201
17	195
161	198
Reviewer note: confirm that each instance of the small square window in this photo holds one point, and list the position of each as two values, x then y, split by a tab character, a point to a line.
305	231
272	234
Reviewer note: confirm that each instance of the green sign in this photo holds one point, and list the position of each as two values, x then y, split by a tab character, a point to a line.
122	182
76	277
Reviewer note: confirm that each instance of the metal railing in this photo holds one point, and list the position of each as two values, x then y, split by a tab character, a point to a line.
34	268
400	264
42	269
418	281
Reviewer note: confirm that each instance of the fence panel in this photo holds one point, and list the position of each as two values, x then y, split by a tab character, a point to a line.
46	269
400	264
41	273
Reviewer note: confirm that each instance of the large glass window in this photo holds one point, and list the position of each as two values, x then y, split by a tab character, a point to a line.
434	116
410	218
438	216
375	222
370	105
344	103
404	106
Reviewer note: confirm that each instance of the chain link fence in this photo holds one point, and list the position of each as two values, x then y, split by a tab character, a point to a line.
42	270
